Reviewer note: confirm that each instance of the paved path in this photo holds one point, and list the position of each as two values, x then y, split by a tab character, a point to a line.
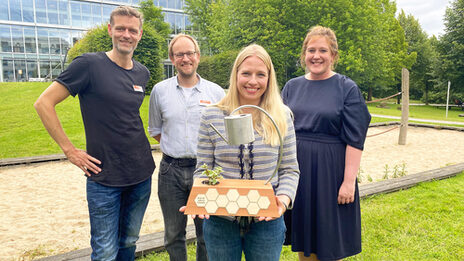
415	119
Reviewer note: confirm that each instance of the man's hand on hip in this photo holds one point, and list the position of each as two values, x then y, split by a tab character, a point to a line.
83	161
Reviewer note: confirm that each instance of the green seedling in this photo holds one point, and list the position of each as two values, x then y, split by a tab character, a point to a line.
214	175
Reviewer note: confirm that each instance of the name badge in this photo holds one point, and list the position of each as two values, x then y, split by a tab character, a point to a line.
204	102
137	88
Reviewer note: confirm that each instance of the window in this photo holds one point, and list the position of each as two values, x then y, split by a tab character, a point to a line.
54	38
15	10
86	15
180	23
44	69
76	14
52	11
5	38
40	11
20	70
65	36
63	12
107	9
96	14
56	68
4	11
29	40
32	69
179	4
163	3
42	39
8	70
171	19
28	11
76	36
171	4
18	40
188	25
169	71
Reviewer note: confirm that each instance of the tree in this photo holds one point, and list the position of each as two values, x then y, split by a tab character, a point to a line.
451	49
148	51
153	17
418	42
437	91
371	41
216	68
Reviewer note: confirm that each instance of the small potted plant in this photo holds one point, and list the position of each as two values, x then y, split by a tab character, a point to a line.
214	175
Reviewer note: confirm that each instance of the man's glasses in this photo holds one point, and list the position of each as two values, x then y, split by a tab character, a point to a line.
181	55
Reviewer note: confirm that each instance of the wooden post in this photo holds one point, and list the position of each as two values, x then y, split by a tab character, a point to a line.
404	106
447	98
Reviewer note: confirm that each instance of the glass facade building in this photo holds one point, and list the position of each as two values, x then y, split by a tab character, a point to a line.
35	35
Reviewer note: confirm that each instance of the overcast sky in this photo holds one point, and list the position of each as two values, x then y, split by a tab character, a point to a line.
430	13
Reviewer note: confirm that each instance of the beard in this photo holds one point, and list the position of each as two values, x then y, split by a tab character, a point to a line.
124	51
184	74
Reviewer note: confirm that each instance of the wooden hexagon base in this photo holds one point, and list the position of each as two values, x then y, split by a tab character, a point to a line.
232	197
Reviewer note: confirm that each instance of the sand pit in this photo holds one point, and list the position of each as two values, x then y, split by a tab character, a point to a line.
44	210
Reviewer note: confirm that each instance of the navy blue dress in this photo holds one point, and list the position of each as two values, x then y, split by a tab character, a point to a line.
329	115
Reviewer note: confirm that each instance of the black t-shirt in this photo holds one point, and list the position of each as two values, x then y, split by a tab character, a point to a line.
110	98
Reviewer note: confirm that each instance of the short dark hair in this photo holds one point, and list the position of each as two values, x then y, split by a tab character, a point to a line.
124	10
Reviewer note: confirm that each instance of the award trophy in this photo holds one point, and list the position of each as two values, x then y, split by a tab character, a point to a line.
236	197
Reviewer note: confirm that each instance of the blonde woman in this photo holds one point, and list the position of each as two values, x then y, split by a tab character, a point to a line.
252	81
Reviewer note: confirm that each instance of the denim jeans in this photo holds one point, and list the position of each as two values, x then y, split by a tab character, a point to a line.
262	242
174	185
116	215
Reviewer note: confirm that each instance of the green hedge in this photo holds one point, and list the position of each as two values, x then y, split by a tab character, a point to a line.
216	68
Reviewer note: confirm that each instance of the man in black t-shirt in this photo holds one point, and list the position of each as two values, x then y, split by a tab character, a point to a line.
118	161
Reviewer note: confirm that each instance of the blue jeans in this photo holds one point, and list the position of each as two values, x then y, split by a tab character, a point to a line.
263	241
116	215
174	185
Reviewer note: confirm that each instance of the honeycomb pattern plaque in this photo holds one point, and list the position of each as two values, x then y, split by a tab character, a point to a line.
232	197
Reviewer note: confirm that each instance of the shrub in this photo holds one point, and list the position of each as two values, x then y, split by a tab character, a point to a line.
216	68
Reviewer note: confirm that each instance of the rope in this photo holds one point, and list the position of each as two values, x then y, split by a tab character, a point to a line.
386	98
396	127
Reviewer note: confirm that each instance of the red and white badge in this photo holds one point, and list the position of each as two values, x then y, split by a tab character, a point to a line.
205	102
137	88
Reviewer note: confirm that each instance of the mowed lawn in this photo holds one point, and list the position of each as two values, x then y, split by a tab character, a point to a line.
21	131
425	222
421	112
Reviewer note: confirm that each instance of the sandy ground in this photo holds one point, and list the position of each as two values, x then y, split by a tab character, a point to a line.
44	210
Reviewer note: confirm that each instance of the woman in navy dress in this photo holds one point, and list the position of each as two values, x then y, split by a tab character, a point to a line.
331	121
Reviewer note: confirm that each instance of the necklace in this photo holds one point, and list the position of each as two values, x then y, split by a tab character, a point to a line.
241	162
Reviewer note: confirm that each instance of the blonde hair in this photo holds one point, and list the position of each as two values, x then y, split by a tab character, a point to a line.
124	10
270	100
177	37
320	31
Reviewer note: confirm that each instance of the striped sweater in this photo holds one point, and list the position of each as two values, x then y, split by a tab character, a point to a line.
214	151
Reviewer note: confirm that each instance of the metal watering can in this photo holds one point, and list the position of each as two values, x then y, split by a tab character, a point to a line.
239	130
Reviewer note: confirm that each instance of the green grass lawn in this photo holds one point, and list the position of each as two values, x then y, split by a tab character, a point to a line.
21	131
421	112
425	222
